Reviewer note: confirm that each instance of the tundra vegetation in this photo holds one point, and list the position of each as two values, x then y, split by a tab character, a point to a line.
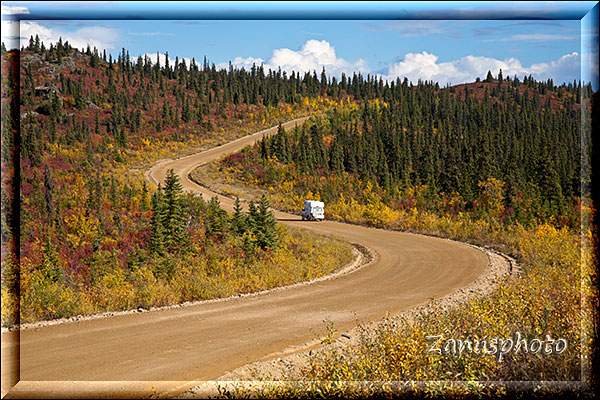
82	230
495	162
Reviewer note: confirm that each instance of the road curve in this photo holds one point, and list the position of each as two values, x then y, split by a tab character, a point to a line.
201	342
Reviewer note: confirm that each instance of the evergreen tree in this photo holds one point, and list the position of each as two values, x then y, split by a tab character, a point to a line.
316	146
549	185
306	158
253	218
238	219
144	197
265	227
172	216
249	237
336	161
216	219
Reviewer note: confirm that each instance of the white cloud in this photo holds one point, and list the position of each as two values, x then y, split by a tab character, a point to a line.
314	55
566	68
98	36
425	66
241	62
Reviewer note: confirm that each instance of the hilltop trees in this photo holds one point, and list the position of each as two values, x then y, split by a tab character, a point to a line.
494	141
151	98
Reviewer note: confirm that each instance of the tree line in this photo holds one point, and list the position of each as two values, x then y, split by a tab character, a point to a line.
449	143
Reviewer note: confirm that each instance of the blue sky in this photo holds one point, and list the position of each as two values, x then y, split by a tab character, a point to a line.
447	51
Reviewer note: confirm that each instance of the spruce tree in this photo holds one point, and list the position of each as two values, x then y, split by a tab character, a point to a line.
336	161
249	236
253	217
317	147
265	228
172	216
306	158
216	219
548	183
238	220
144	197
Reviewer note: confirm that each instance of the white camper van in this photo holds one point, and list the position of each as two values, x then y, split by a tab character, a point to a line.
313	210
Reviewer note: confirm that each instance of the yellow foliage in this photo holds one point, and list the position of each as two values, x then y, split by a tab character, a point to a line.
492	196
346	210
313	196
80	228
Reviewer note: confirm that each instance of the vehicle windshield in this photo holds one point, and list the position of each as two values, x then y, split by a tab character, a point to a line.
317	209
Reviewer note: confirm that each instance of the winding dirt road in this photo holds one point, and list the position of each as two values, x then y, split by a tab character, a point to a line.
181	346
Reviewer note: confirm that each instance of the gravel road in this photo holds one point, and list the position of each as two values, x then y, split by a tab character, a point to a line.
172	349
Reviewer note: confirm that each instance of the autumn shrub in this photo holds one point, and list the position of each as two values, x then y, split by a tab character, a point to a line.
49	299
82	188
212	271
544	300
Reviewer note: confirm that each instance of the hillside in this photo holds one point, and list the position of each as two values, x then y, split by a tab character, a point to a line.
503	150
93	235
494	162
497	150
90	126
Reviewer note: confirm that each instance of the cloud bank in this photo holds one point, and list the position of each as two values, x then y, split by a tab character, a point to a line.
425	66
314	55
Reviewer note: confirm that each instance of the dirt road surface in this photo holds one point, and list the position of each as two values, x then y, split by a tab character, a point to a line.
169	350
